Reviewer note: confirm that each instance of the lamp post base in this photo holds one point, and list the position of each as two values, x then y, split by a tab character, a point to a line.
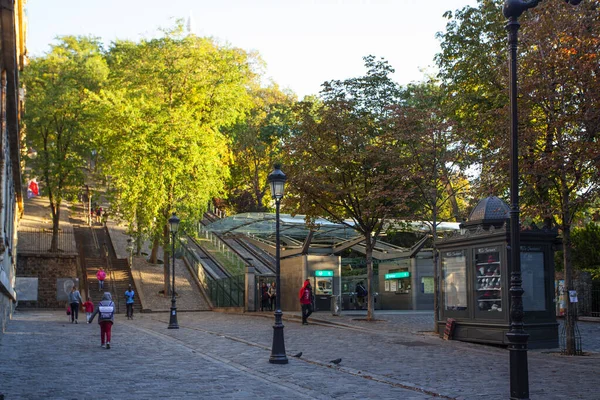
173	318
278	349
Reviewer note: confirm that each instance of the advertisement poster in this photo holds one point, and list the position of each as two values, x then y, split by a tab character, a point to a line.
559	287
393	285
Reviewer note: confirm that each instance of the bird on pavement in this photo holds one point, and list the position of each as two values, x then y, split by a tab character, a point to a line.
336	361
297	355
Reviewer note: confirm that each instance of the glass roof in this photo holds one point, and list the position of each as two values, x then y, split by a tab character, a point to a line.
263	225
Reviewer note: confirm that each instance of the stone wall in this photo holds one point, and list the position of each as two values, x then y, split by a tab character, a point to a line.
5	312
47	268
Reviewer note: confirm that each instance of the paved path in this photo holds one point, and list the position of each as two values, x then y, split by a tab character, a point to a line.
225	356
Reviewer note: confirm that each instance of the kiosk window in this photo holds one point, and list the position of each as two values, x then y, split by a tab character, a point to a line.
534	291
454	270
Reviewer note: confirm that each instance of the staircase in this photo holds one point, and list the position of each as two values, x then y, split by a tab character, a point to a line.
90	244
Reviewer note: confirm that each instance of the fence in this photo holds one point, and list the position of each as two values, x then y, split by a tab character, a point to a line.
38	241
227	292
221	252
588	300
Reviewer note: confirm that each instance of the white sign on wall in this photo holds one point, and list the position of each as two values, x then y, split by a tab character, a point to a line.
27	289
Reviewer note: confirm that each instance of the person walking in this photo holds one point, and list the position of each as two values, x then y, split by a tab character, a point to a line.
106	317
129	300
264	297
272	296
305	296
361	293
74	300
101	276
88	307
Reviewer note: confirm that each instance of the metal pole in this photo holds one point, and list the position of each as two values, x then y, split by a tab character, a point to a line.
278	349
173	318
517	338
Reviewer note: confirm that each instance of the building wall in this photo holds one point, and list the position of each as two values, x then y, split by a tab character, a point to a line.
48	269
12	58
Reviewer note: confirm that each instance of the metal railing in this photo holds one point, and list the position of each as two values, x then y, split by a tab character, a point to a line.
227	292
196	265
39	240
221	251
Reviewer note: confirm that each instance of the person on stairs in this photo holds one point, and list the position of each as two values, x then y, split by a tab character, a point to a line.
129	300
75	300
101	276
106	317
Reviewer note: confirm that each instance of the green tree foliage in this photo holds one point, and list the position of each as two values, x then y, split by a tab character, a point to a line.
161	133
59	116
256	144
433	157
586	253
341	155
474	76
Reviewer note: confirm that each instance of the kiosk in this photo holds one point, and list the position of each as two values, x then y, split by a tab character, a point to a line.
475	279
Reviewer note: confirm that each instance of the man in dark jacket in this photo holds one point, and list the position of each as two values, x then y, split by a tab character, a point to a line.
106	317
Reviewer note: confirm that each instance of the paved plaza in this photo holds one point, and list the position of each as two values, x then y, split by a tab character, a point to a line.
216	355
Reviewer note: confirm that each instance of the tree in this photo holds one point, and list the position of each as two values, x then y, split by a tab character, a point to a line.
162	140
341	156
560	128
435	156
59	116
256	144
474	77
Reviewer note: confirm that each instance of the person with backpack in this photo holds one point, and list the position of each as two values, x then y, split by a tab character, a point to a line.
106	317
129	300
306	297
361	293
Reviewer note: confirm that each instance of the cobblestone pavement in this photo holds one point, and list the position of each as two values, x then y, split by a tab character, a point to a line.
226	356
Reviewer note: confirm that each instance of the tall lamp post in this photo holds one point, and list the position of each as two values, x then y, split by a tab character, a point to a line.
517	338
174	225
277	183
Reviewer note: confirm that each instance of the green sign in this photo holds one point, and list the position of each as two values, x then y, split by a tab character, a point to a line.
397	275
323	272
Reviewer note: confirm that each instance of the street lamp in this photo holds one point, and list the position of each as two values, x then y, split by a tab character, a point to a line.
517	338
174	225
277	183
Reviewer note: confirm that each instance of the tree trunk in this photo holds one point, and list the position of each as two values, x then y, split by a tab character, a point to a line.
55	209
370	243
167	259
154	253
436	277
570	316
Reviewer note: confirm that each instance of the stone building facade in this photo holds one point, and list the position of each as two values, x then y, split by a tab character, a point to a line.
12	59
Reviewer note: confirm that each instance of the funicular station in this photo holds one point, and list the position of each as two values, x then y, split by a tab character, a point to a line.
329	254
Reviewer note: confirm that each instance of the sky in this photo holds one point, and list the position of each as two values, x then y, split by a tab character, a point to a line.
303	42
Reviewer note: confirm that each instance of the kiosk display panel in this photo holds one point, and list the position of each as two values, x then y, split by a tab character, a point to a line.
454	270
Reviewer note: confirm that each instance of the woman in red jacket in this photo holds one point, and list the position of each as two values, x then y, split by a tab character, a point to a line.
305	296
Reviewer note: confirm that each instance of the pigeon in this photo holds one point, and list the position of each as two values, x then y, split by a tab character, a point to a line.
297	355
336	361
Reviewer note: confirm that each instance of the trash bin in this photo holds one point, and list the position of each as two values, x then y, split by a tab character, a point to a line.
336	306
